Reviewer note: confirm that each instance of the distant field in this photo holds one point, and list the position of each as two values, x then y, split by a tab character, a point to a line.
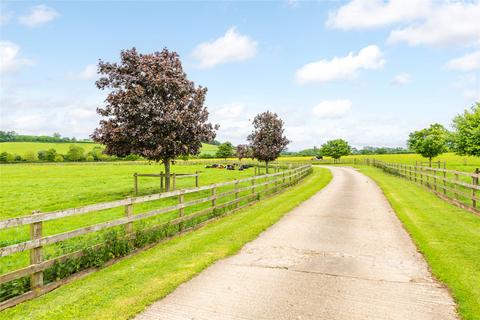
21	148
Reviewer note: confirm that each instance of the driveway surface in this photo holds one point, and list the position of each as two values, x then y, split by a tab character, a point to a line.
342	254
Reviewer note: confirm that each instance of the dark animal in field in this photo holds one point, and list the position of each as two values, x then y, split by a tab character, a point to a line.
244	166
230	167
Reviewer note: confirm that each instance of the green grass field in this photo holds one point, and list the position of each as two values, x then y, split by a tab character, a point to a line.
21	148
50	187
448	237
126	288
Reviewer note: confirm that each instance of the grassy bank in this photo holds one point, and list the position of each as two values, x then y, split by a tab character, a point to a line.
126	288
448	237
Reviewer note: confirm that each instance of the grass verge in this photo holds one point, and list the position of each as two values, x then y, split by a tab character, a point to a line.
126	288
448	237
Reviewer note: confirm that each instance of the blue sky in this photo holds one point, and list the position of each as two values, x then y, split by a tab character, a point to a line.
367	71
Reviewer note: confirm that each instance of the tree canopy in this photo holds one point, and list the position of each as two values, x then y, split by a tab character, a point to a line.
267	139
429	142
466	137
225	150
243	151
335	148
153	109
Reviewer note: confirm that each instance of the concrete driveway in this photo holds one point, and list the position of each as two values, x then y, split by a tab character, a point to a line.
343	254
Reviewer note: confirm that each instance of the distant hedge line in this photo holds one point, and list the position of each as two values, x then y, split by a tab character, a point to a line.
75	154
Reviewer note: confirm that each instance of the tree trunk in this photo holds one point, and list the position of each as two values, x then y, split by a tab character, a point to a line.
266	167
430	162
166	163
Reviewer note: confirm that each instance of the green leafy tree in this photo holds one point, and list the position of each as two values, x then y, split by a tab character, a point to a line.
429	142
336	149
58	158
75	153
466	136
225	150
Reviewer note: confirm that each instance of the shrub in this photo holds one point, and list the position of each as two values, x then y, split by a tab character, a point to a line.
30	156
90	158
58	158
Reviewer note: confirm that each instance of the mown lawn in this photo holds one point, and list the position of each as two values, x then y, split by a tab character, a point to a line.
448	237
126	288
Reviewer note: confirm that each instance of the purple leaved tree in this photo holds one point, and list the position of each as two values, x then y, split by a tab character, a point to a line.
267	140
152	109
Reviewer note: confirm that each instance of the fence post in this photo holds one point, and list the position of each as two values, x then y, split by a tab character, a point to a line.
174	181
444	177
214	195
253	186
36	255
474	191
455	186
435	180
129	213
255	170
161	181
236	194
181	210
135	182
196	179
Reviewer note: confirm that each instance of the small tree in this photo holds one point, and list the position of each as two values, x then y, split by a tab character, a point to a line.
243	151
75	153
153	110
225	150
429	142
336	149
466	137
267	140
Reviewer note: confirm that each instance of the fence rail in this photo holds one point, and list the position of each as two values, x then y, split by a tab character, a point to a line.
227	196
457	187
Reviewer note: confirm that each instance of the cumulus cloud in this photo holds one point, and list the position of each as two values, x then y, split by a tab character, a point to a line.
468	62
332	109
9	59
38	15
230	47
376	13
401	79
233	110
450	23
89	72
341	68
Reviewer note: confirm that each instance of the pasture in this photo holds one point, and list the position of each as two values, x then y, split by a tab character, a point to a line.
21	148
51	187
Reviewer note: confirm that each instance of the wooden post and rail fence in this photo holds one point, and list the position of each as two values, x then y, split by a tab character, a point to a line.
457	187
162	178
201	202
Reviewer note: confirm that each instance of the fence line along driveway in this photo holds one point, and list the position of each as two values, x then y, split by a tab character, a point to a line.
342	254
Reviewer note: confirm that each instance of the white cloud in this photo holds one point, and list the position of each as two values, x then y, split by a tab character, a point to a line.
233	110
231	47
332	109
450	23
38	15
401	79
342	68
89	72
376	13
9	60
468	62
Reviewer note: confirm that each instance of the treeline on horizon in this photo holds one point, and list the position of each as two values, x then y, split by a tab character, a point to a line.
12	136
